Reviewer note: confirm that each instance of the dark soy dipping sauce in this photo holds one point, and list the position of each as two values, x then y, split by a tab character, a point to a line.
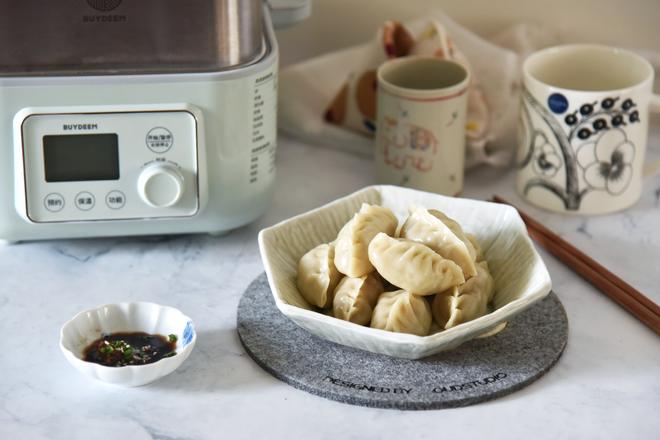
136	348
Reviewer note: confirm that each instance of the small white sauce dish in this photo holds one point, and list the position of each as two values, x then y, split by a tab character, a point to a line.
89	325
520	276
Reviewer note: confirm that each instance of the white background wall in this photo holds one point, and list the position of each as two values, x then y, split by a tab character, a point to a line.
339	23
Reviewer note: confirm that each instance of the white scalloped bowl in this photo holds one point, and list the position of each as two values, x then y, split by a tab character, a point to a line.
521	278
152	318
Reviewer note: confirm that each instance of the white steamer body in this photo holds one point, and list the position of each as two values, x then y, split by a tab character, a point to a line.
235	115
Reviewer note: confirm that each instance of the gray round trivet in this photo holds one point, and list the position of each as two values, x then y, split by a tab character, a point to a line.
479	370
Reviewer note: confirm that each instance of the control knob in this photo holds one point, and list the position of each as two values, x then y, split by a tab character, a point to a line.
160	185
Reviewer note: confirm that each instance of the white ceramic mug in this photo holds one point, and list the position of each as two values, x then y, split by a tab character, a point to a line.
583	128
420	124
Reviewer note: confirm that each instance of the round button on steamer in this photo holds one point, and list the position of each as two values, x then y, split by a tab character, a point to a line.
54	202
160	185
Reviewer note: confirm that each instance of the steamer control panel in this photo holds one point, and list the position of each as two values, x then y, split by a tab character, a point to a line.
110	165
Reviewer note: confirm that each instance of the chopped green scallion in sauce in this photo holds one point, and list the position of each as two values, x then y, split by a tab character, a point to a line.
123	349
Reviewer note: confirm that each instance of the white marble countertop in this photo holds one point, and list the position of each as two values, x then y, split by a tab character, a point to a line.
606	385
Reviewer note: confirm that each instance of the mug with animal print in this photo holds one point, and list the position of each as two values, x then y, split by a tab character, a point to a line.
420	124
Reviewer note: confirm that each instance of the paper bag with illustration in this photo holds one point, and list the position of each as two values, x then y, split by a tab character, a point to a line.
354	106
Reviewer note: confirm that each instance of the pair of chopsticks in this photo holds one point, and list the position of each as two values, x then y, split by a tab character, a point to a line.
611	285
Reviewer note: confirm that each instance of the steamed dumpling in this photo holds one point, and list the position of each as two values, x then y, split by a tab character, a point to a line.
443	235
465	302
355	298
402	312
456	229
317	275
351	250
413	266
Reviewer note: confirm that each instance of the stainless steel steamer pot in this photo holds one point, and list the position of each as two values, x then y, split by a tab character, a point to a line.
111	37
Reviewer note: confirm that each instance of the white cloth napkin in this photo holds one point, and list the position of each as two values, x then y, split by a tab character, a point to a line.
306	89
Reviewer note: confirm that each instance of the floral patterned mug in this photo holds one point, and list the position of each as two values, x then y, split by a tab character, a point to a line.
583	128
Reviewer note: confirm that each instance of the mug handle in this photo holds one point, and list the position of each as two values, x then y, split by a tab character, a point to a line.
653	168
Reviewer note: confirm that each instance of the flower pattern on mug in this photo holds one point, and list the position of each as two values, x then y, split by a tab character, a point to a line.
607	161
546	160
523	134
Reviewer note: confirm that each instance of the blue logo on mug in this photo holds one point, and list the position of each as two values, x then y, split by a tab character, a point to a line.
557	103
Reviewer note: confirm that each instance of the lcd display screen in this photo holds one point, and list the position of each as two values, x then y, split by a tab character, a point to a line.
81	157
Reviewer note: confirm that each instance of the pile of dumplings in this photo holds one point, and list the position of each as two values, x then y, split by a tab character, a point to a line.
426	276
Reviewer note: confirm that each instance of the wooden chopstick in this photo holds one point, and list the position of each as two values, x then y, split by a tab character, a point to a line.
530	222
618	290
